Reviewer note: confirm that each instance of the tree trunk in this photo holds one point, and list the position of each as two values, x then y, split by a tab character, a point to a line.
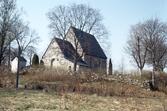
140	71
18	69
1	56
153	78
2	40
75	66
30	60
9	57
75	61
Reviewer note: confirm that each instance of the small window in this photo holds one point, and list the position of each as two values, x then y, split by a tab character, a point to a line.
69	68
52	60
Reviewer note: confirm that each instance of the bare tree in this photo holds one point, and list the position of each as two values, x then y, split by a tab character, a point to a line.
122	66
163	63
24	38
8	15
79	16
152	37
30	52
59	22
78	49
155	38
135	46
148	43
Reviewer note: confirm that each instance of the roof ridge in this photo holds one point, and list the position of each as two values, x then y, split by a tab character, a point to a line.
94	48
81	30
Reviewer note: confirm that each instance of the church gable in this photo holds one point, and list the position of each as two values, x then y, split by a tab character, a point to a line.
62	52
92	52
52	55
87	42
52	50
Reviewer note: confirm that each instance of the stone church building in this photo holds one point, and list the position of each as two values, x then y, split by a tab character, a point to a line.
62	53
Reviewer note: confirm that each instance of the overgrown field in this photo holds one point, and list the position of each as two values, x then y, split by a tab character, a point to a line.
28	100
58	90
62	81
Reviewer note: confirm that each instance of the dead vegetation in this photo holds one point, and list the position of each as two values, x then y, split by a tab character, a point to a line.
57	90
85	83
7	79
29	100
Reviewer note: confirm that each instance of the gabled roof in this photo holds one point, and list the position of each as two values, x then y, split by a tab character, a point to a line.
23	59
47	48
68	50
89	43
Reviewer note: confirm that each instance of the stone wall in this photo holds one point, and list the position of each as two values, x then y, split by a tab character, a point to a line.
95	63
130	79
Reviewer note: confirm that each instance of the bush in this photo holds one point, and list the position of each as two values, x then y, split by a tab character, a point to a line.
7	79
161	82
35	60
41	63
110	69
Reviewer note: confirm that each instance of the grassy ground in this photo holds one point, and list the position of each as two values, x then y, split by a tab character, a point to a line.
119	95
24	100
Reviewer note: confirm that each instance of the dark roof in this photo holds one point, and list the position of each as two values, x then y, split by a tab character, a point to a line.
68	50
89	43
21	59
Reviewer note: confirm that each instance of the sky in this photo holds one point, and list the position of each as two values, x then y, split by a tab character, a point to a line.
118	17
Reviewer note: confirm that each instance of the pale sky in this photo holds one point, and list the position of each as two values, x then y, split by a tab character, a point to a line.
118	16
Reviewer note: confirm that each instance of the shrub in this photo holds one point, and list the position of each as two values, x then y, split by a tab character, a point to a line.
110	67
7	79
41	63
161	82
35	60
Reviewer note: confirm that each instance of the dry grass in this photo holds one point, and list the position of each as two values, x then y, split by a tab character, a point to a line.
87	83
44	75
61	91
7	79
40	101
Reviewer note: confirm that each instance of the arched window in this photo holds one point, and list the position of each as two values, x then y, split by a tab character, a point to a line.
52	61
69	68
